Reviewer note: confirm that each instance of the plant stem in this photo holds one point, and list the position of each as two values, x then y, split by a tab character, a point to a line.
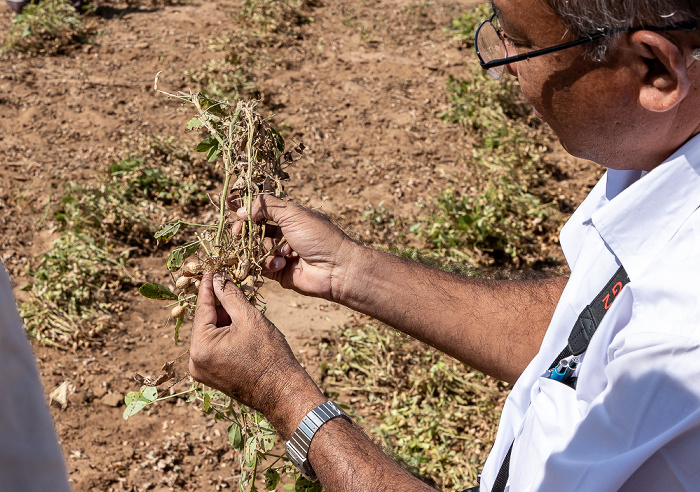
222	202
173	396
228	164
197	225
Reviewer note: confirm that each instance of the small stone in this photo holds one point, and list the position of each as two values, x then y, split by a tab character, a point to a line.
112	399
99	392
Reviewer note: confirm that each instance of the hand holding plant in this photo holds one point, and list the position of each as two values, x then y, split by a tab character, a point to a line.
234	347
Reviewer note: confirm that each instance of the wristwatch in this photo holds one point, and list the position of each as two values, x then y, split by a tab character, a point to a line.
297	447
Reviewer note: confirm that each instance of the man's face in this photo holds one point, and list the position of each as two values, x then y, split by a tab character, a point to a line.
587	104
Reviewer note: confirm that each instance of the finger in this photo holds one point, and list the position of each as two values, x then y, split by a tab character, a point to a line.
236	228
231	298
274	264
272	208
205	311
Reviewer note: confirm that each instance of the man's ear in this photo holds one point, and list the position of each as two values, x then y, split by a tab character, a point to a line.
661	70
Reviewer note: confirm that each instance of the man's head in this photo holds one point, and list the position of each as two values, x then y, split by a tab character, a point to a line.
628	102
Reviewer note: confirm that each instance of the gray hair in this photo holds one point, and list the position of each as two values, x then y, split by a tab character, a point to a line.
587	17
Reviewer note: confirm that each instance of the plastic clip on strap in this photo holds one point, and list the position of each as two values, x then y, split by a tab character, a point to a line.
585	326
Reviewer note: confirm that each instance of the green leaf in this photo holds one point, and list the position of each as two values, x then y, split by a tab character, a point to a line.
244	481
272	478
149	392
157	291
194	123
207	403
279	141
250	452
213	154
304	485
267	435
130	396
176	337
178	255
235	437
136	400
206	144
168	231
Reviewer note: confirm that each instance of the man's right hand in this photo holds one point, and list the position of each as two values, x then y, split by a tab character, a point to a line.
471	319
317	256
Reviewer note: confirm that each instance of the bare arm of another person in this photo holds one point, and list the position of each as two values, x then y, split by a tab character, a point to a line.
495	326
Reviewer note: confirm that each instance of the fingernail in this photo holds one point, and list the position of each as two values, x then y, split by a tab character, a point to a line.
277	263
218	278
242	212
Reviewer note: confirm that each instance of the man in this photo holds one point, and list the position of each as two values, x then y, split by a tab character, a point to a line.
619	82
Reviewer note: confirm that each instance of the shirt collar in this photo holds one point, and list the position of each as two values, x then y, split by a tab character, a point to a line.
639	221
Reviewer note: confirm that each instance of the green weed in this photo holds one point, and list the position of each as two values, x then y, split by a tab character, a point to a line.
127	203
76	285
502	223
47	27
275	17
73	291
464	27
507	218
223	80
435	415
509	139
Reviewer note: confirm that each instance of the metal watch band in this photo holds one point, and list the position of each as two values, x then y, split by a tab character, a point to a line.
297	447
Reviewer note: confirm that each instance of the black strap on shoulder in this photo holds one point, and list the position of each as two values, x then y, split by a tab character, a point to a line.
585	326
502	477
591	316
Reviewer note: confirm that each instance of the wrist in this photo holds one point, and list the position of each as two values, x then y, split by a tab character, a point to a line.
296	397
349	280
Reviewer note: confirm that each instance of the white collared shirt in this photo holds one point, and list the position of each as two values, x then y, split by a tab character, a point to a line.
633	421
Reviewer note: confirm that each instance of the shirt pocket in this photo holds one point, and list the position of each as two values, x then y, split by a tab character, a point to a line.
549	422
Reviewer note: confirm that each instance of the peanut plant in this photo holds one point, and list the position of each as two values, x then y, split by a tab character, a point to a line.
253	157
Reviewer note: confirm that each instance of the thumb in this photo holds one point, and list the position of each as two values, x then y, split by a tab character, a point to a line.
272	208
205	312
232	299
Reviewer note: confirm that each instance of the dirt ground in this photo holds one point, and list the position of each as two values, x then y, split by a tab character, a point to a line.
362	87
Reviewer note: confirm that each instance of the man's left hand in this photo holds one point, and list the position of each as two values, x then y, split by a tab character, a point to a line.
237	350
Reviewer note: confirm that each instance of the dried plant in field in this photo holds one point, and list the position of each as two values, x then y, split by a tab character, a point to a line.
47	27
254	159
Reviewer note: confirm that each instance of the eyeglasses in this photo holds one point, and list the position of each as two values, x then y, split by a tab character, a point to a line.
492	45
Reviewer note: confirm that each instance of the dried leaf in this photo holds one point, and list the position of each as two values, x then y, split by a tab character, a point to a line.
60	395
